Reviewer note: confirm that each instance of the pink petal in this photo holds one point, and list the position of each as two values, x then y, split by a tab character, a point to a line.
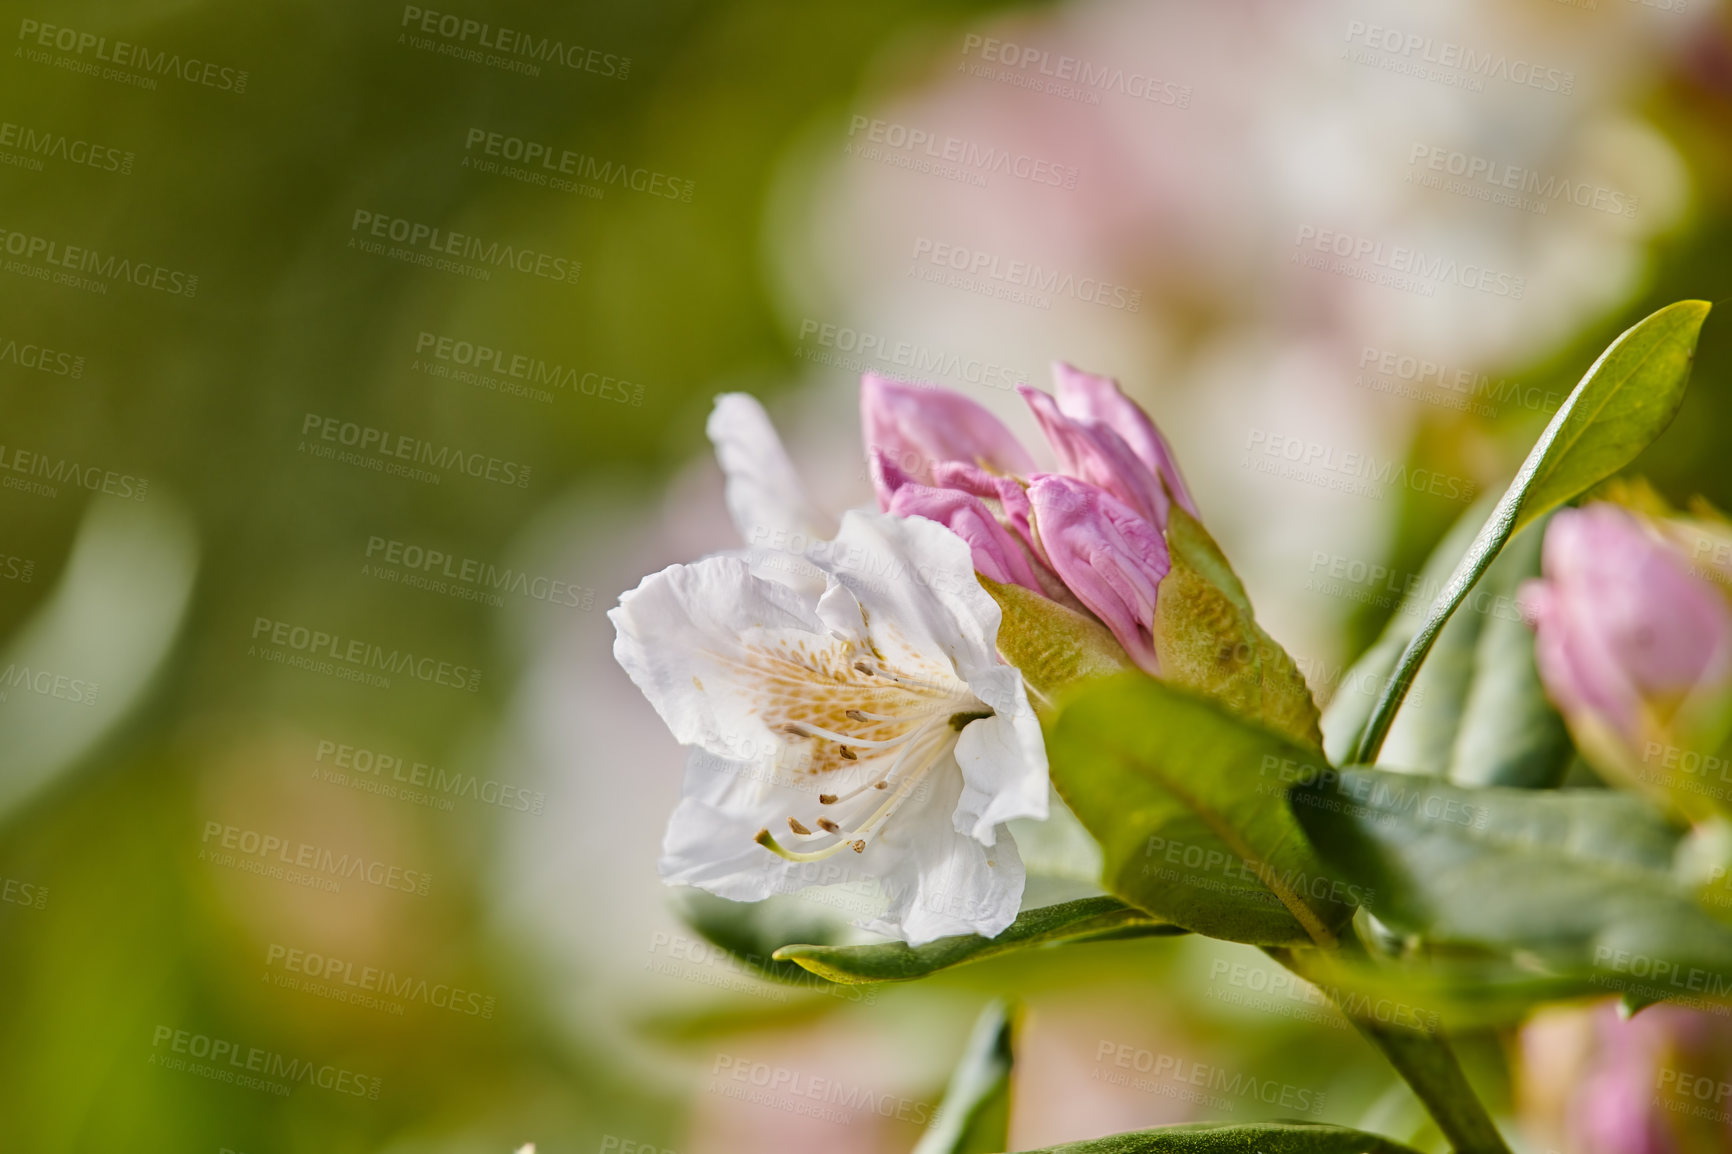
996	553
1112	559
1086	397
919	427
1092	452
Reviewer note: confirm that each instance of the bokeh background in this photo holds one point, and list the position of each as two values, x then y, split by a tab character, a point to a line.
435	888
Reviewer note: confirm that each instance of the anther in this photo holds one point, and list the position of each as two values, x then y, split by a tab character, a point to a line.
856	715
849	754
880	785
826	799
797	827
828	826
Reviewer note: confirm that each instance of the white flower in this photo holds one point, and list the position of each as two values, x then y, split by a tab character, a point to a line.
867	732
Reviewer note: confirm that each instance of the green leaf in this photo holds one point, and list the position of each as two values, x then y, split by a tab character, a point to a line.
1054	646
1477	713
1184	798
1085	920
1576	883
974	1117
753	931
1626	399
1208	638
1239	1138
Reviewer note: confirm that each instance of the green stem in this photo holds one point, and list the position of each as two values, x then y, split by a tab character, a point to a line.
1492	536
1427	1063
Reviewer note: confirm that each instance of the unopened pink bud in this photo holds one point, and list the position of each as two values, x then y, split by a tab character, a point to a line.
1111	558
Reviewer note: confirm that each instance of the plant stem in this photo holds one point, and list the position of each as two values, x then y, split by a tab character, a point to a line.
1425	1061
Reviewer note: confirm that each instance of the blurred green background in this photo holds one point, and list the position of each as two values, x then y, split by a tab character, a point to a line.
122	919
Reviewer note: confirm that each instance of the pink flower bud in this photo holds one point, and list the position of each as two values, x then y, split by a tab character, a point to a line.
996	553
1091	451
1087	398
1626	636
1112	559
920	428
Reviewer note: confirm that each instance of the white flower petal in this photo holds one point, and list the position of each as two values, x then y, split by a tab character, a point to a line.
917	578
1003	765
941	882
688	637
764	494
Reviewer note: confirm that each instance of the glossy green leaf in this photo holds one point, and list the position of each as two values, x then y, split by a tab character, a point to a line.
1575	883
1085	920
1185	800
1629	395
1209	640
1054	646
974	1117
1237	1138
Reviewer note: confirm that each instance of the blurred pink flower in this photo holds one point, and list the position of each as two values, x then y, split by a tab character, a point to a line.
1627	635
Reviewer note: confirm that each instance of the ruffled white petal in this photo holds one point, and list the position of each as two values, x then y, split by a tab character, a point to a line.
688	638
940	882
